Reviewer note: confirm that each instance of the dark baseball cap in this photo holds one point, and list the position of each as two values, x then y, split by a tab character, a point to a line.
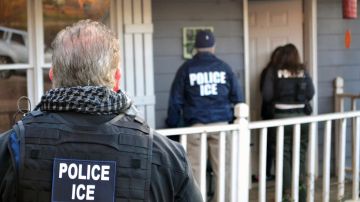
204	39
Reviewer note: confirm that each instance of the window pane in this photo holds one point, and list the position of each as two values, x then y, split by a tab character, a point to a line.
13	86
2	35
13	31
18	39
60	13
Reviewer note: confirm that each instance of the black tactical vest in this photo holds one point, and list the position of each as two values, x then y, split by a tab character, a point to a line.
126	139
289	90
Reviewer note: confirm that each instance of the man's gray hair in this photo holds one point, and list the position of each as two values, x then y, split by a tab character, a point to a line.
86	53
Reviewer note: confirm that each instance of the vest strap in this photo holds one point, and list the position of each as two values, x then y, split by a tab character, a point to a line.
147	190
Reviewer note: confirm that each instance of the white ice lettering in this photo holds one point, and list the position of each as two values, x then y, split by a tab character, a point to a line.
208	89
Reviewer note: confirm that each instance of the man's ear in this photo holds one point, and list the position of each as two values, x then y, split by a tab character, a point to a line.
117	80
51	74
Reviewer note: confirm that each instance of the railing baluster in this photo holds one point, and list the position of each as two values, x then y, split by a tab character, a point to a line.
234	164
262	163
355	166
243	175
311	163
341	170
326	167
183	141
295	163
279	163
203	162
355	155
222	163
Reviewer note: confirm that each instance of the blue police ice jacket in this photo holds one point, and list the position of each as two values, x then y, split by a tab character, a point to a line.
204	91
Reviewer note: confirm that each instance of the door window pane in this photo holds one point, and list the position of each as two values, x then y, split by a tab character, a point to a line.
60	13
12	88
13	32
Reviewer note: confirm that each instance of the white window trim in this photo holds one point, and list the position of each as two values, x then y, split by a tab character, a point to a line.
36	61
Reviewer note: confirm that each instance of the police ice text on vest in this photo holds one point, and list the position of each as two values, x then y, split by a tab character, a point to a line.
208	81
93	172
83	180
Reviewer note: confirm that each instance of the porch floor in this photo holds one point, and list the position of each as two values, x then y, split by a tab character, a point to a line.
270	190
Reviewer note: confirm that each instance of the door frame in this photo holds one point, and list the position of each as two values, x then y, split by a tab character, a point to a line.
310	50
310	46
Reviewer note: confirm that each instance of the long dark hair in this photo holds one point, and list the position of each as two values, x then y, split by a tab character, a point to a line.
290	59
275	57
275	60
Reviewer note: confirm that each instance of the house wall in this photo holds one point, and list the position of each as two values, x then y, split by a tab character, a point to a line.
335	60
170	16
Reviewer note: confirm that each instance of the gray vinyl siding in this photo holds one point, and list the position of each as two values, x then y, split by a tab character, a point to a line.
170	16
335	60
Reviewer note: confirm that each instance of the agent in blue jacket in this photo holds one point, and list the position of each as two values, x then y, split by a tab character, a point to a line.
204	92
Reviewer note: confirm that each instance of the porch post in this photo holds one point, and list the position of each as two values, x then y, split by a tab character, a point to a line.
36	50
339	107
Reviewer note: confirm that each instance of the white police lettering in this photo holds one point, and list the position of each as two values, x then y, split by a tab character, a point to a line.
105	173
62	169
94	172
80	172
83	180
72	171
207	81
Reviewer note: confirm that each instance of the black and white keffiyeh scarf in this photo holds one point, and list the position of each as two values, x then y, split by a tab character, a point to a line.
85	99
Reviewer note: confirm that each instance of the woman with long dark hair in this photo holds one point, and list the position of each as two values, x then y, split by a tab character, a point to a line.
290	88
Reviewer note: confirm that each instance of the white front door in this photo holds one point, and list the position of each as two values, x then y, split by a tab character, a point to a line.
272	23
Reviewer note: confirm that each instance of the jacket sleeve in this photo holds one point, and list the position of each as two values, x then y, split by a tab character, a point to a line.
268	86
7	171
310	90
176	99
189	190
236	94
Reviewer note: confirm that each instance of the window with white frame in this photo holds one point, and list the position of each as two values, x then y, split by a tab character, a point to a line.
27	28
59	14
14	59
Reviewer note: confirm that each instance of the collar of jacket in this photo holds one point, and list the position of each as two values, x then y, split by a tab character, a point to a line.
204	55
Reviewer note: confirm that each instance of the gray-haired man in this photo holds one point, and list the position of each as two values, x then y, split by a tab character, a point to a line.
81	143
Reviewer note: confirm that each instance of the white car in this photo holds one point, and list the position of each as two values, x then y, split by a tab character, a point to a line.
14	49
13	46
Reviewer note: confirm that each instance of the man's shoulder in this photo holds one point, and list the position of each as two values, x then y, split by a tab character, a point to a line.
7	170
5	135
222	64
4	139
169	153
186	64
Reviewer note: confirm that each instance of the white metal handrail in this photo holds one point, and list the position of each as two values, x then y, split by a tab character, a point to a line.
240	147
238	190
340	98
